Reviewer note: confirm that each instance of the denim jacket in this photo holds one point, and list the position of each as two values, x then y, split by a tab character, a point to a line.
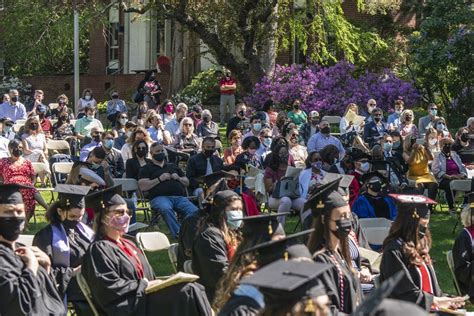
439	165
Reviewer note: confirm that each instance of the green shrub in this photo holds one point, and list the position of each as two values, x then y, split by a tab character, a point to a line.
203	89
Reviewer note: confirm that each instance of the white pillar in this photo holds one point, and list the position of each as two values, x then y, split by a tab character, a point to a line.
76	58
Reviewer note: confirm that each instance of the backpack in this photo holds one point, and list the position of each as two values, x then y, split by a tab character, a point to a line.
286	186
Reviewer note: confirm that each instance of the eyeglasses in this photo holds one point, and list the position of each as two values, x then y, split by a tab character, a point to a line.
295	135
109	138
141	147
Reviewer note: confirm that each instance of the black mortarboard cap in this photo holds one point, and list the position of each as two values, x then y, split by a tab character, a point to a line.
262	226
219	200
90	176
71	196
374	299
358	154
104	198
285	281
370	175
10	193
417	205
344	184
272	250
211	179
326	197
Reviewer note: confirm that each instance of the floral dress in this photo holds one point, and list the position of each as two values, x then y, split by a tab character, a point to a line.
20	174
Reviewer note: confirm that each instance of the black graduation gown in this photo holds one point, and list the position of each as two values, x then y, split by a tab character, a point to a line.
330	278
63	275
409	288
239	305
186	237
23	293
209	259
118	290
463	267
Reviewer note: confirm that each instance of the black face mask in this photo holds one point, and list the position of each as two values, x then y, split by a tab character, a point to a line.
376	187
16	152
14	99
421	231
464	137
447	149
142	152
241	113
296	106
208	152
96	138
11	227
377	119
206	119
34	127
284	159
67	223
326	130
159	157
314	122
343	227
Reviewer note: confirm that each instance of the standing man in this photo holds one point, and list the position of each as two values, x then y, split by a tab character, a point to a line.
227	87
14	109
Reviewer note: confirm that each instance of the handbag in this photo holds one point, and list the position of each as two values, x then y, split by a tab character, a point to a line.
286	186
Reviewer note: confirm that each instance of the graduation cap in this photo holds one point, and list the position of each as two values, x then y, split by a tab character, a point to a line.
325	197
262	226
417	205
209	180
372	302
10	193
272	250
90	176
104	198
358	154
345	183
71	196
284	283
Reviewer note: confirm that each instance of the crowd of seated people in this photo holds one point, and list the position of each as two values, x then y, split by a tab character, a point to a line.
173	151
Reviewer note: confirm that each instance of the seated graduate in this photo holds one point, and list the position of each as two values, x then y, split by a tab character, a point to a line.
246	299
329	244
407	249
65	241
217	239
298	292
255	230
463	255
375	202
26	287
118	272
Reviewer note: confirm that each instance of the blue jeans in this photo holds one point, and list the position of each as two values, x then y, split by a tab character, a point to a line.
167	205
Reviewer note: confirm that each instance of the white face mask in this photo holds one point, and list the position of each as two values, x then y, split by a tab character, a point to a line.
433	141
87	97
234	219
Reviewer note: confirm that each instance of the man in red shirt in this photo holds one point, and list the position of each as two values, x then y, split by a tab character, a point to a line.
46	124
227	86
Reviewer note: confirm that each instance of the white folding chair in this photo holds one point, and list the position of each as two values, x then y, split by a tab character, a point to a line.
26	240
153	241
188	266
332	120
58	146
173	255
375	222
461	187
40	167
375	236
61	168
131	185
87	292
450	260
18	124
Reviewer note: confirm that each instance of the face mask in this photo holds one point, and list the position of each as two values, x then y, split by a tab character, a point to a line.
142	152
447	148
257	126
90	117
169	109
343	228
296	106
433	112
159	157
241	113
326	130
371	108
377	119
119	223
421	231
206	119
123	121
8	129
364	167
87	97
96	138
396	145
16	152
267	142
14	99
315	122
440	127
252	151
143	110
95	166
387	147
464	137
284	159
209	152
70	224
115	96
34	127
234	220
11	227
317	164
398	112
109	143
376	187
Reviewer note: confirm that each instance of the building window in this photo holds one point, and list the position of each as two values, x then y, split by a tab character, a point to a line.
113	42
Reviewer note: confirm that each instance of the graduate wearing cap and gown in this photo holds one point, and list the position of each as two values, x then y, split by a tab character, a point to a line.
217	240
26	287
463	251
406	249
65	241
118	273
330	245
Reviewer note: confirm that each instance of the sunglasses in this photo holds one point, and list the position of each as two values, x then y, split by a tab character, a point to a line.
187	124
267	136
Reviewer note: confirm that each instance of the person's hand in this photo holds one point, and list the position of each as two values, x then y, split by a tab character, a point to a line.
27	255
76	270
448	177
42	258
350	124
448	302
164	177
175	176
365	276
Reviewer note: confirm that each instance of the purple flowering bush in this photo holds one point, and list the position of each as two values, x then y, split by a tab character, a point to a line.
330	89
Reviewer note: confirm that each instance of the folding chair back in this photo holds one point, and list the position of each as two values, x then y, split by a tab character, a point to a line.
26	240
377	222
450	260
375	236
86	291
39	167
373	257
18	124
332	120
173	255
58	146
128	184
153	241
459	186
61	168
188	266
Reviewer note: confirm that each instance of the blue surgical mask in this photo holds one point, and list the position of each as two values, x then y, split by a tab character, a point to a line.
433	112
396	144
267	142
387	147
364	167
89	118
234	219
257	126
7	129
109	143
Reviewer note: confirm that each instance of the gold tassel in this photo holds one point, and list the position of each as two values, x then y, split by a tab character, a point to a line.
415	215
285	255
309	308
270	229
